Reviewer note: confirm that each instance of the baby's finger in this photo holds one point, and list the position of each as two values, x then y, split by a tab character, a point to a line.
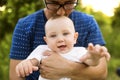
35	68
85	57
97	48
90	47
108	56
29	66
105	53
104	49
27	69
47	53
21	71
17	70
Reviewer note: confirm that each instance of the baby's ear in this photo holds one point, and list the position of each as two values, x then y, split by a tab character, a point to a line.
76	37
45	39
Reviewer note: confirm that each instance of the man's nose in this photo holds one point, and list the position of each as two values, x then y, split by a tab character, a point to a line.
61	11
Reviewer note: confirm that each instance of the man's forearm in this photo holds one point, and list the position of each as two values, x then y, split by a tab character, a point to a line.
16	78
12	72
82	72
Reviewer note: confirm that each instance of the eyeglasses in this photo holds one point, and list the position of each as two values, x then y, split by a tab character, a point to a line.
56	6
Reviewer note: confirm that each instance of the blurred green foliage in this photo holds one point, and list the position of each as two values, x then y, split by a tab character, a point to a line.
112	66
15	9
4	57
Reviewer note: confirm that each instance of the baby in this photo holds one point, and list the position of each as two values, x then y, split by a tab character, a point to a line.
60	38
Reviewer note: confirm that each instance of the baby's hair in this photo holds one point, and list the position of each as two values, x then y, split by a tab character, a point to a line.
57	17
60	17
54	17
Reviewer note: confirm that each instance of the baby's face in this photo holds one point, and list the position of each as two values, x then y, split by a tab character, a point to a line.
60	35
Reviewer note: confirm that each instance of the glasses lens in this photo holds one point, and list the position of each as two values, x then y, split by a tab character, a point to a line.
56	6
52	6
70	6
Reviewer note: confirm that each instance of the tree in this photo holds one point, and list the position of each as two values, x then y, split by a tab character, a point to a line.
115	36
116	18
15	9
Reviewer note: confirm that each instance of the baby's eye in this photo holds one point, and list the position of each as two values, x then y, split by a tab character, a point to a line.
65	33
52	36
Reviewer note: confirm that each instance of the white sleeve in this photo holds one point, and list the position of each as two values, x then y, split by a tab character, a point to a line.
80	52
37	52
75	54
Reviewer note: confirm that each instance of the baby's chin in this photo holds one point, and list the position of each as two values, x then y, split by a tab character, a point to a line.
64	51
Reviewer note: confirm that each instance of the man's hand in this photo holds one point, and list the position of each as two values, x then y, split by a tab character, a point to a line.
55	66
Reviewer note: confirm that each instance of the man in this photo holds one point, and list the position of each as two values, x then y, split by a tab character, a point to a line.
29	34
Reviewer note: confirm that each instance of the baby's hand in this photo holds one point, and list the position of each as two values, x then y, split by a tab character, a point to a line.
95	53
25	67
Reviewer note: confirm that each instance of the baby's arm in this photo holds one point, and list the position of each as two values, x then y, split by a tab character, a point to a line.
94	54
93	60
26	67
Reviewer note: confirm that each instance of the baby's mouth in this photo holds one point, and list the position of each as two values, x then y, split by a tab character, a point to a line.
62	47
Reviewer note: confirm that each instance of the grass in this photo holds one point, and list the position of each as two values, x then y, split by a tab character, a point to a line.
112	66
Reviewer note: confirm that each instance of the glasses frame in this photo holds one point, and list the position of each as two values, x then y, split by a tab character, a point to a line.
60	5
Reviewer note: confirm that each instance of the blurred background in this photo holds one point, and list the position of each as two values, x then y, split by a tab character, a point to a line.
106	12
